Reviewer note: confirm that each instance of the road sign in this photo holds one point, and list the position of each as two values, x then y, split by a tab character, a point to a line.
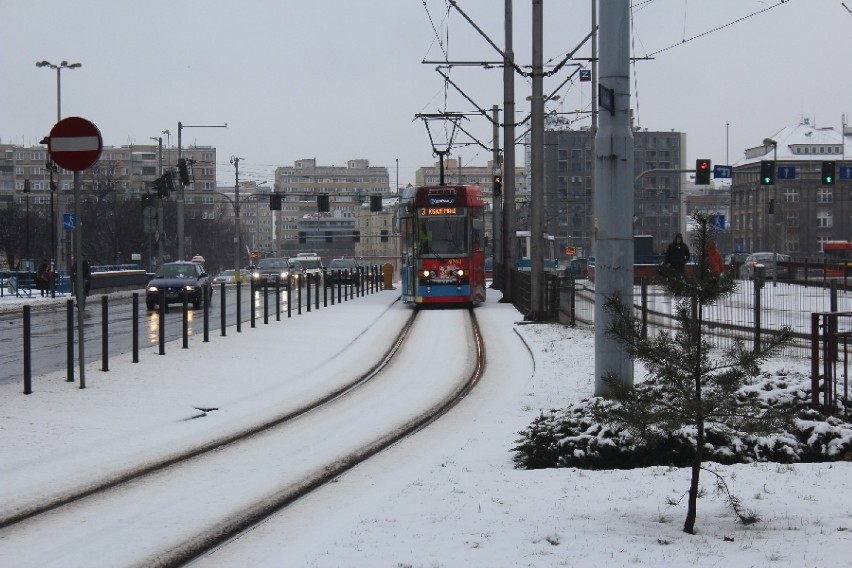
723	172
787	172
845	172
69	221
570	251
585	75
75	143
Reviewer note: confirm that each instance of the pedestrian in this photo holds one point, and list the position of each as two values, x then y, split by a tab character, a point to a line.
714	259
677	254
43	277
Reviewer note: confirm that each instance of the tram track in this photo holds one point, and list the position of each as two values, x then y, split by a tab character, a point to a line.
218	532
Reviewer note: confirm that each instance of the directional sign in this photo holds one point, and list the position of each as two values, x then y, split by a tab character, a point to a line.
585	75
845	172
787	172
75	143
723	172
717	221
69	221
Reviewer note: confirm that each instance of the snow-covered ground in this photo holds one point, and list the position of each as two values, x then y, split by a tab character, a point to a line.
448	497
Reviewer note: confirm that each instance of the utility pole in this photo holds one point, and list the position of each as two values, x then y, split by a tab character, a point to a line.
509	249
236	162
613	192
160	212
537	165
496	200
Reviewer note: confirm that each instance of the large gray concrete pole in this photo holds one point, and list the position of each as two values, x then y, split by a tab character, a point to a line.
537	164
510	223
496	201
613	192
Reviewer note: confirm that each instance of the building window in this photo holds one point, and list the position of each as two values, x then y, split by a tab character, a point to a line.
791	195
824	219
824	195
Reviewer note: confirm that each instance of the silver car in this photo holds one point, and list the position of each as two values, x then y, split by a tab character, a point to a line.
775	265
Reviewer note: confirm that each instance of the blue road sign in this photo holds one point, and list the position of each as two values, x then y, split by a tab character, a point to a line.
787	172
717	221
723	172
69	221
585	75
845	172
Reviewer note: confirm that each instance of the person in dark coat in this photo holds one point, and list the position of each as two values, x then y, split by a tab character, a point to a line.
677	254
43	277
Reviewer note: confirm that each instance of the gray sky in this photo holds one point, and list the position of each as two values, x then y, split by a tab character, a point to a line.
339	79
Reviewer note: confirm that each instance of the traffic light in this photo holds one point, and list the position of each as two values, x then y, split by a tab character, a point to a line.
183	170
767	172
322	204
498	185
702	171
375	203
828	169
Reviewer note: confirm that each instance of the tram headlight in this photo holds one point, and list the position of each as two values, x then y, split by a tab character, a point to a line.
426	273
460	273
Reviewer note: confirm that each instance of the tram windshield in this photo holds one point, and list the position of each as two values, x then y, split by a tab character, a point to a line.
443	236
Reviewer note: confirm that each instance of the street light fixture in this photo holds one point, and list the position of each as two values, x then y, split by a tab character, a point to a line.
59	68
62	65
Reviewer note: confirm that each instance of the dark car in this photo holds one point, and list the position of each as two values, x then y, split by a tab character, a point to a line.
174	278
367	269
341	271
271	270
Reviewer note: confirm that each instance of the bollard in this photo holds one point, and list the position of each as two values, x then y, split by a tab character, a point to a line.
69	306
104	334
28	369
185	331
222	310
135	319
239	306
162	315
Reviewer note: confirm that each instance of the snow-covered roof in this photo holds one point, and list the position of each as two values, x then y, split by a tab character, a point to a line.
801	141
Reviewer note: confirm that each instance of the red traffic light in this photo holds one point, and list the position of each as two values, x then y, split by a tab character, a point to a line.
702	171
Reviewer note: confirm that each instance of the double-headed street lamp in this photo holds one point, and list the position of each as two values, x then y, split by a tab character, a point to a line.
59	68
55	229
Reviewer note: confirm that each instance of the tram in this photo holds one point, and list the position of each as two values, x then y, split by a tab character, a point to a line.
443	237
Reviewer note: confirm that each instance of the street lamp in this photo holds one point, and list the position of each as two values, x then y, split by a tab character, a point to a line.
59	68
62	65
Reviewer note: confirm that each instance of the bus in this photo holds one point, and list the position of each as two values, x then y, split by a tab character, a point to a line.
443	237
838	258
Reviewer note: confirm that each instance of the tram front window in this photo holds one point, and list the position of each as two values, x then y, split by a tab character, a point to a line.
443	237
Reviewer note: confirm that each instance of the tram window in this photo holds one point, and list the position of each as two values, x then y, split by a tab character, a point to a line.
444	236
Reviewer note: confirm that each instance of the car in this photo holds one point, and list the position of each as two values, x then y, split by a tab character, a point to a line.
367	269
176	278
271	270
342	271
226	277
734	261
310	262
775	265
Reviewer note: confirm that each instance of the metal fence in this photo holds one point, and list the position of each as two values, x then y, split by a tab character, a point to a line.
751	312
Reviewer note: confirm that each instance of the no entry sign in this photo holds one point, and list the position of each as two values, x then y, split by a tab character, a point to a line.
75	143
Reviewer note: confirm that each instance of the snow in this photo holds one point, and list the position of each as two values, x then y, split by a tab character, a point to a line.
449	496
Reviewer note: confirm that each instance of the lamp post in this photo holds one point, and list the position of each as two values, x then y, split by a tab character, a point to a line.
59	67
236	161
774	144
180	198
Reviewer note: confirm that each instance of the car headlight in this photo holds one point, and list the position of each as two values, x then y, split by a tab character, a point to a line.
255	275
153	289
284	275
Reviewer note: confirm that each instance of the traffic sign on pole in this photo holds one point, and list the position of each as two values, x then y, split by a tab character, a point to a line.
74	143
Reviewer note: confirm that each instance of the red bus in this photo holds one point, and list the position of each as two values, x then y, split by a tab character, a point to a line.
443	238
838	257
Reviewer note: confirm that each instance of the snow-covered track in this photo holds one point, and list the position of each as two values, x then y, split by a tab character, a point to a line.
178	509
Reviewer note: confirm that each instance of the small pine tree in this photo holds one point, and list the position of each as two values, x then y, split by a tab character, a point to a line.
688	383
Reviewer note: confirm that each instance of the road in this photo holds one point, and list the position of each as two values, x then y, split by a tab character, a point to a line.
49	326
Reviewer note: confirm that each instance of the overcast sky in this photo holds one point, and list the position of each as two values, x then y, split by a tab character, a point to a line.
339	79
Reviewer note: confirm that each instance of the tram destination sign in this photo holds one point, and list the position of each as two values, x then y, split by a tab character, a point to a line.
443	210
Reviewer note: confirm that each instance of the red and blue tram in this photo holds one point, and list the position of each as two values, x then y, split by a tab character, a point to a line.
443	236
